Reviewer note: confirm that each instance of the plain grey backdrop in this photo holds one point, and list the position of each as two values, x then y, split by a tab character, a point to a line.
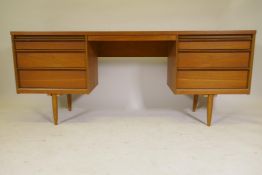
127	83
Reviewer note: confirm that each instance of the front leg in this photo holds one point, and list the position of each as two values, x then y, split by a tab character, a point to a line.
210	100
195	101
55	108
69	102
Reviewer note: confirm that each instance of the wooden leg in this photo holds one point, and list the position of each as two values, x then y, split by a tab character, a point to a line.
55	108
209	109
69	102
195	101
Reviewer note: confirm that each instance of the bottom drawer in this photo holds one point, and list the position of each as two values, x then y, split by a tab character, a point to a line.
63	79
212	79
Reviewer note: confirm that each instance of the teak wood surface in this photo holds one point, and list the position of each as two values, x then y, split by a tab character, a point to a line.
199	62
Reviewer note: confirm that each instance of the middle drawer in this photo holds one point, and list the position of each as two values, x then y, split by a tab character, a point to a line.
213	60
51	59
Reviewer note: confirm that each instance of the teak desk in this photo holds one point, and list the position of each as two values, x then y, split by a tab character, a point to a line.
199	62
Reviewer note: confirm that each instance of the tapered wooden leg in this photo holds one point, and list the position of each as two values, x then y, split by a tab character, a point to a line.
55	108
195	101
209	109
69	102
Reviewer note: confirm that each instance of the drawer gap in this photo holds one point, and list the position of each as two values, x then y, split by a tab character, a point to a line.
215	37
214	50
51	68
53	50
49	38
210	69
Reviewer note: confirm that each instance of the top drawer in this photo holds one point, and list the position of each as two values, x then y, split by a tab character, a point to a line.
36	42
214	42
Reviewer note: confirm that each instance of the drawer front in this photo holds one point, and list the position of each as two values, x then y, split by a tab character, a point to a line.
213	60
214	45
52	45
52	79
212	79
50	60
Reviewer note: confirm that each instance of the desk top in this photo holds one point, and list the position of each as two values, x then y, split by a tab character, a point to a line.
131	32
131	35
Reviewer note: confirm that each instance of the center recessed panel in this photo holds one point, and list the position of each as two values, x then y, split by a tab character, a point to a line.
132	48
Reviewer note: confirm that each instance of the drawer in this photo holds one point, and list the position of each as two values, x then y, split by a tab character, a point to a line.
51	60
212	79
52	79
50	45
213	60
214	45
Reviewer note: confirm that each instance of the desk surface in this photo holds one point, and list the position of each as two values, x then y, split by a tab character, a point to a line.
132	35
131	32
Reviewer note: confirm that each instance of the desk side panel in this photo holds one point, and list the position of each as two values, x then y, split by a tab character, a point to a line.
15	63
171	67
252	51
92	66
